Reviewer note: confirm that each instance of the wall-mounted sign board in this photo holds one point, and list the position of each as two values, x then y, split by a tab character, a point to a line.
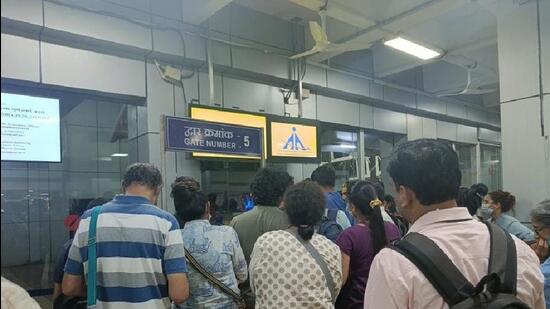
184	134
293	140
225	116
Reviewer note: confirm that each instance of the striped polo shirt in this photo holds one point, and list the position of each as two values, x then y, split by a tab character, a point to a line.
138	244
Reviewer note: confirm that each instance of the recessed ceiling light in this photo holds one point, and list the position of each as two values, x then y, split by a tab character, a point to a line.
412	48
119	155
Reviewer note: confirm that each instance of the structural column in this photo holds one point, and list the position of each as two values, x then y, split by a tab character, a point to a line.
524	69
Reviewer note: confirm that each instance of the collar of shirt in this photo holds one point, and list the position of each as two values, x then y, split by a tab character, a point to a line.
131	199
196	222
440	215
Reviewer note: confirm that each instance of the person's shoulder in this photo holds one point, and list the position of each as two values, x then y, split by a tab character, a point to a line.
524	252
225	230
271	237
392	261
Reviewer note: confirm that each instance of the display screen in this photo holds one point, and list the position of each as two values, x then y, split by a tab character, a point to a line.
293	140
228	117
30	129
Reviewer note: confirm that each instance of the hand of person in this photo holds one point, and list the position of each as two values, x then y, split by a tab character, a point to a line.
540	246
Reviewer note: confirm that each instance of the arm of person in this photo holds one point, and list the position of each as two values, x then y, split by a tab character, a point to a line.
345	268
255	260
73	281
178	287
239	262
342	220
345	243
73	286
521	231
175	266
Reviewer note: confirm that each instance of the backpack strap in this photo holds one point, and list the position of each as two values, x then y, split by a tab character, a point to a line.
436	266
503	259
92	259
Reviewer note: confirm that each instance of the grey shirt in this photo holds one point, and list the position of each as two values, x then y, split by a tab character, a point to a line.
254	223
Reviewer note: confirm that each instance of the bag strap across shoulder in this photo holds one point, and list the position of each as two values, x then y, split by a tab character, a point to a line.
320	261
212	279
447	279
436	266
92	259
503	259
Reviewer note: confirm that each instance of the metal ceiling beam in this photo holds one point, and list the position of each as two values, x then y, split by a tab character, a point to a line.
197	11
337	11
396	24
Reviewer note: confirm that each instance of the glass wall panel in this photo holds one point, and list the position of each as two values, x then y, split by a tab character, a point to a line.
37	197
339	147
491	167
467	163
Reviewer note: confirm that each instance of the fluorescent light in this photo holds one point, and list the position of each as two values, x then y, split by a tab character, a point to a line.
119	155
348	146
412	48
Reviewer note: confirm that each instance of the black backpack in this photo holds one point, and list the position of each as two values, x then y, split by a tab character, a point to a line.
494	291
328	226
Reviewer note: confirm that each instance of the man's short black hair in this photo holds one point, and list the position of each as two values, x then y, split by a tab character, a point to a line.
143	174
269	185
428	167
324	175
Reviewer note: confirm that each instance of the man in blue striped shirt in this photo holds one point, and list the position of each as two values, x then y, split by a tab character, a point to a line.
140	253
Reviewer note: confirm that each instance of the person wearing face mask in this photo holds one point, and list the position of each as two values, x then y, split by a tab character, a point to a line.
495	207
540	217
427	178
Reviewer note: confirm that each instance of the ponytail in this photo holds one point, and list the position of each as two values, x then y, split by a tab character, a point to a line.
378	230
305	231
364	197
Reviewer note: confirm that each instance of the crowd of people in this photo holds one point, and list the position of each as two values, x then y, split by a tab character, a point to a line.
304	245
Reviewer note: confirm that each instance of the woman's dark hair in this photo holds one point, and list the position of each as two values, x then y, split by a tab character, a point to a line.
429	168
390	201
472	197
190	203
305	206
362	195
506	200
269	185
541	214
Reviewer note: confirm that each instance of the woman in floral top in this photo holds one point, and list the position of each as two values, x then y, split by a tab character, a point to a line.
216	248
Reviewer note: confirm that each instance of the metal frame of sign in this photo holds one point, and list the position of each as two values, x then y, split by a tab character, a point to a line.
250	155
223	158
297	121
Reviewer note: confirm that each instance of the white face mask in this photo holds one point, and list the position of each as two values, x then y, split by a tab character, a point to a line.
485	211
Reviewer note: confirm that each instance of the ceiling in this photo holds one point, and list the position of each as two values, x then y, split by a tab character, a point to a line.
465	30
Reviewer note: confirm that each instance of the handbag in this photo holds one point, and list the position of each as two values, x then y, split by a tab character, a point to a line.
91	297
241	304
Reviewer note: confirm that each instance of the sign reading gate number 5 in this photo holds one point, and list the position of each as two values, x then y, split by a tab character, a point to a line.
246	141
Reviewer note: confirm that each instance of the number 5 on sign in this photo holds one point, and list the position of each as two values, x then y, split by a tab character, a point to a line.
246	141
